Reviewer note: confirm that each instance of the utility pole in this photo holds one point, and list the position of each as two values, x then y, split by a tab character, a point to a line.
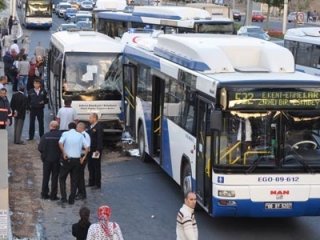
285	16
249	13
13	8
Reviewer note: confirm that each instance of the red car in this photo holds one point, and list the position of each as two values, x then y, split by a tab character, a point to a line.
257	17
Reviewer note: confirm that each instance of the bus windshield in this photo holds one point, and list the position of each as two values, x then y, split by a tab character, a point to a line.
215	27
86	77
38	9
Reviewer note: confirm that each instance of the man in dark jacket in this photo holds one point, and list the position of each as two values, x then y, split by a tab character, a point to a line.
5	111
94	159
37	100
50	156
19	105
8	66
10	24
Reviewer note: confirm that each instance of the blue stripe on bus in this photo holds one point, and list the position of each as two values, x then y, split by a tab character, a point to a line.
248	208
142	58
165	148
188	63
38	25
153	15
119	17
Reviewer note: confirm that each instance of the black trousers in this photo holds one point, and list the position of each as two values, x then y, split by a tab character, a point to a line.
36	113
94	167
70	166
50	169
81	182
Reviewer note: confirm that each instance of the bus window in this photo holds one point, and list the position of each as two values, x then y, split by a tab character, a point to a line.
315	56
303	54
215	27
144	86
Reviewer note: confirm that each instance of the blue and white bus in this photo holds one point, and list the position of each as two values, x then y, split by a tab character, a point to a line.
304	43
37	14
167	18
229	118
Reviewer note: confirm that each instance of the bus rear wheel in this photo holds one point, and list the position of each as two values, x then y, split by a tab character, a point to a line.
186	180
142	144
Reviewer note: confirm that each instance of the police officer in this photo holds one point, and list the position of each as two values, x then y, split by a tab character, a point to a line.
71	144
50	156
37	100
94	158
5	111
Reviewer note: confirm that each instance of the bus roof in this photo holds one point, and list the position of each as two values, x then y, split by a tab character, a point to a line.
85	41
306	35
228	53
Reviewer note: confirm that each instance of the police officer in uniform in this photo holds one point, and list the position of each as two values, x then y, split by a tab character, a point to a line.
5	111
50	156
37	99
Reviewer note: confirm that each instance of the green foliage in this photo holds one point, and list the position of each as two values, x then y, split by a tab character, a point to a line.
272	3
2	4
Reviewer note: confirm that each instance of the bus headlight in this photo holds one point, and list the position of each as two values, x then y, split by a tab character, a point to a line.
226	193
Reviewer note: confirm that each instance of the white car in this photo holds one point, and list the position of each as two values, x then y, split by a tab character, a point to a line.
254	31
86	5
62	8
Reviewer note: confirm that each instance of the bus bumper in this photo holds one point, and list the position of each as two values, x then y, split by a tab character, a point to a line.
38	25
248	208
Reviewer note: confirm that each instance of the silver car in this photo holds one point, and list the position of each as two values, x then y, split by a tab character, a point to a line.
254	31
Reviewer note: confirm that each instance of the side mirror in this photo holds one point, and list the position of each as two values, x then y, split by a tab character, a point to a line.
216	120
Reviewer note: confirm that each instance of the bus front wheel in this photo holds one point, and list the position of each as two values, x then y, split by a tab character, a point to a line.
186	180
142	144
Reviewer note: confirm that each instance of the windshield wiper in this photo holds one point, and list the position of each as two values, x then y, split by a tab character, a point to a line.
300	160
255	164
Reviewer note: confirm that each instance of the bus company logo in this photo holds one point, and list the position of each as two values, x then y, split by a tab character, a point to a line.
279	193
220	179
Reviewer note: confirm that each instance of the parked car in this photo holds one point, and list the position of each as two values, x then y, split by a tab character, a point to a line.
67	26
84	25
254	31
257	17
70	13
86	5
83	16
292	17
236	15
74	4
63	6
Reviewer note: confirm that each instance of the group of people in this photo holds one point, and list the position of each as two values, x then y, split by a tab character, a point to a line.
66	150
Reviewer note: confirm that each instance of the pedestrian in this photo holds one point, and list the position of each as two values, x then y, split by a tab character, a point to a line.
37	98
104	229
186	223
32	73
50	156
19	105
3	82
82	194
71	144
10	24
14	46
9	68
94	159
40	51
23	72
80	229
5	111
66	115
6	43
26	44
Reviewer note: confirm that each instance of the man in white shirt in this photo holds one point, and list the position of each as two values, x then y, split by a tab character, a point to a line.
15	47
40	51
66	115
186	223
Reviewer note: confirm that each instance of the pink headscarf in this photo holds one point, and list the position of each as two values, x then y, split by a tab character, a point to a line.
104	214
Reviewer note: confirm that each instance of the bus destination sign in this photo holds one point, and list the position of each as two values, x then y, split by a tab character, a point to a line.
274	100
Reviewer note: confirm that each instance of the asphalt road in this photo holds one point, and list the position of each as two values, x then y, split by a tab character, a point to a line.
136	191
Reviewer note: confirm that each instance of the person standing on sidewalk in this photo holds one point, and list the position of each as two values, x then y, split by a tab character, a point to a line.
80	229
186	223
94	161
37	99
66	115
50	156
9	68
40	51
19	105
23	72
104	229
14	46
10	24
3	82
71	144
5	111
6	43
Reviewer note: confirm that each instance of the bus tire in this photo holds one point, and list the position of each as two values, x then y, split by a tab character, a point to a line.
142	145
186	179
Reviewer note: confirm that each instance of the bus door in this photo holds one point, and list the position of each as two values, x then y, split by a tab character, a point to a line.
204	152
129	93
157	112
57	85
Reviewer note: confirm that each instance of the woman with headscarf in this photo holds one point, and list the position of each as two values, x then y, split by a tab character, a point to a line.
104	229
80	229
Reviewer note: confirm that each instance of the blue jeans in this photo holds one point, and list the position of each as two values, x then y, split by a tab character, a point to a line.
23	81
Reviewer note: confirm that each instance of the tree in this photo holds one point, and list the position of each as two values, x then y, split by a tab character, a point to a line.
271	3
2	4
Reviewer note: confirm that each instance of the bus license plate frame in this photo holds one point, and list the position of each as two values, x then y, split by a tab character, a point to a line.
278	205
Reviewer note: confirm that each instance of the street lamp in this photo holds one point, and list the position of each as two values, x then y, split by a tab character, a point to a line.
285	16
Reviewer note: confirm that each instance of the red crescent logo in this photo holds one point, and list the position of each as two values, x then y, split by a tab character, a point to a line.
134	40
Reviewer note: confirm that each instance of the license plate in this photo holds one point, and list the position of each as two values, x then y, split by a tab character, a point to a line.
287	205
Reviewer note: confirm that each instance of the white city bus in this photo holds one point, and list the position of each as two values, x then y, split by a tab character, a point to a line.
37	14
167	18
304	43
229	118
83	67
